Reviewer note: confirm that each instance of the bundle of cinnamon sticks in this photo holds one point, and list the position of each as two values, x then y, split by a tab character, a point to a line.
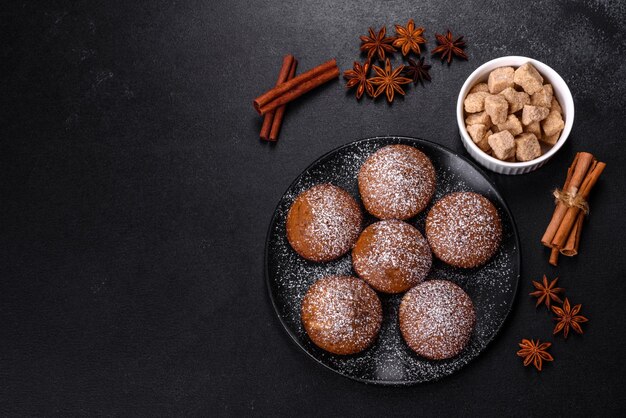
563	232
288	87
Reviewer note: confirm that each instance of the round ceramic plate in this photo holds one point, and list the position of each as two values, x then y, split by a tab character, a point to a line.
389	361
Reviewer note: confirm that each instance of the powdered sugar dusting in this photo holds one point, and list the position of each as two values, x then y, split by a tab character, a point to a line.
392	256
343	315
463	229
324	222
389	360
396	182
437	319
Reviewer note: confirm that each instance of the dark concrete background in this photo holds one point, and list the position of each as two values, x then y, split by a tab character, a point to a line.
135	198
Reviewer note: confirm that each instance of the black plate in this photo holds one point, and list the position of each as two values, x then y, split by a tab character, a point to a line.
389	361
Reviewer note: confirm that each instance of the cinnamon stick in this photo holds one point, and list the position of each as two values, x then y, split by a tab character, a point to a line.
283	75
296	87
571	245
554	256
280	112
570	216
575	176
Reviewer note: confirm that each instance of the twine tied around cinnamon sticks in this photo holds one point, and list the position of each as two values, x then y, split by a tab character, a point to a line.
563	232
570	200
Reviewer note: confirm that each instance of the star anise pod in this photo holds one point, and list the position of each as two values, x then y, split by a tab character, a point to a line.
546	292
567	318
449	47
377	44
389	81
418	71
534	352
358	77
409	38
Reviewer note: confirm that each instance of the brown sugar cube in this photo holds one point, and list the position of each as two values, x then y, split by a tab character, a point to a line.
527	147
497	108
555	105
481	117
480	87
551	139
475	102
512	124
528	78
543	97
476	132
532	114
502	144
484	143
500	79
533	128
516	99
553	123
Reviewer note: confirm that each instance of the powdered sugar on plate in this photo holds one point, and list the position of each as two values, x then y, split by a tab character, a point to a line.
389	360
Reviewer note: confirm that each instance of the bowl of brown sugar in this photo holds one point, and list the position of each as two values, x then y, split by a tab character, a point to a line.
514	113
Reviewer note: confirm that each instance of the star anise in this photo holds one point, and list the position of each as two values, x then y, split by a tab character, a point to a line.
449	47
409	38
534	352
546	292
377	44
389	81
358	77
418	71
567	318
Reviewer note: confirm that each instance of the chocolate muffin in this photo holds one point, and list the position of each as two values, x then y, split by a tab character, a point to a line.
323	223
437	319
396	182
464	229
392	256
341	314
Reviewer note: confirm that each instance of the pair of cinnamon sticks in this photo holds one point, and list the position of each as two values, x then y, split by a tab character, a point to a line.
565	227
274	118
271	104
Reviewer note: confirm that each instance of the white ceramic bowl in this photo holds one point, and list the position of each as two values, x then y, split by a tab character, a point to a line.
561	91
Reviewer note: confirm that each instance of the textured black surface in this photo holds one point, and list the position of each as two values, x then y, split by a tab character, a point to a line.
135	198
